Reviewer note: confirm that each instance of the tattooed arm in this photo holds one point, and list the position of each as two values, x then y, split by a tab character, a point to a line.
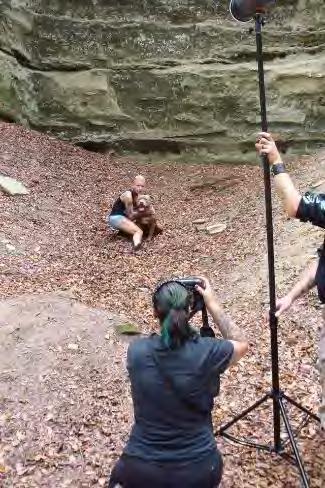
229	330
306	282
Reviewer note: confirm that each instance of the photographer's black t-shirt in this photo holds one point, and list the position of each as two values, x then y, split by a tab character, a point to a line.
173	400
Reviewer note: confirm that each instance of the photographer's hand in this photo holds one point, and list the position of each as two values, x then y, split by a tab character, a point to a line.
228	329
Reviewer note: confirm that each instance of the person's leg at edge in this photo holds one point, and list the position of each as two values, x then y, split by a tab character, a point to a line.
322	370
129	227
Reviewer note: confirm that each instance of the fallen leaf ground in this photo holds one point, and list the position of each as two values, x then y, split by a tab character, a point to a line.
62	243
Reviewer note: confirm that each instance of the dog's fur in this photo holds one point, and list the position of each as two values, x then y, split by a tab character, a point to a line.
146	214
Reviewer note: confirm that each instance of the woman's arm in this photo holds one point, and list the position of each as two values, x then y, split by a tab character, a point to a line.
126	198
229	330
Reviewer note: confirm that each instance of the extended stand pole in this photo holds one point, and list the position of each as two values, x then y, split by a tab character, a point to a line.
277	396
270	246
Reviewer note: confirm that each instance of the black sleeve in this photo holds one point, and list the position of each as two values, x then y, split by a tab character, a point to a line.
220	355
135	353
312	209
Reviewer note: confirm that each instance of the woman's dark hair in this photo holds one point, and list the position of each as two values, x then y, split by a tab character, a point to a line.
171	301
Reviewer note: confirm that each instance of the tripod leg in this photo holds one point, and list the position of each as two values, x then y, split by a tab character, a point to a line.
293	444
243	414
301	407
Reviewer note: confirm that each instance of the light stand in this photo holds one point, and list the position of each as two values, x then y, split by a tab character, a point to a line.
278	397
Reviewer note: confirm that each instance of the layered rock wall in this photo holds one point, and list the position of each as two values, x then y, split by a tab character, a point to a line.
162	76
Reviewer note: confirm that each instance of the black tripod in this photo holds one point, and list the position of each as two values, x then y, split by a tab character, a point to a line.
277	396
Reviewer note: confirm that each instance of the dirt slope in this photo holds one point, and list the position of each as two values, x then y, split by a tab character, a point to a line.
61	243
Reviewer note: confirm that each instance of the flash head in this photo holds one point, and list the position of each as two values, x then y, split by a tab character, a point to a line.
245	10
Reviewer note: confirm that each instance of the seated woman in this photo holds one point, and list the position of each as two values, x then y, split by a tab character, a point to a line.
174	378
123	212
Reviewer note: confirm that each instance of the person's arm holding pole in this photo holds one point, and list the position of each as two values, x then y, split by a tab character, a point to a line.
309	207
283	183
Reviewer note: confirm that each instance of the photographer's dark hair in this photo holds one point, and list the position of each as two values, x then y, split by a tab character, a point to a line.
172	303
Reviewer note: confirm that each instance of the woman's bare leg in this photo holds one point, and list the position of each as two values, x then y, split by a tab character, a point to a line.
132	229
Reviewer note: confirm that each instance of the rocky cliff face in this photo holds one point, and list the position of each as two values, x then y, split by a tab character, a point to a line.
169	76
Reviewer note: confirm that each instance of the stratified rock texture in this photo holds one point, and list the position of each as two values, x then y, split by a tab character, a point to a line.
171	76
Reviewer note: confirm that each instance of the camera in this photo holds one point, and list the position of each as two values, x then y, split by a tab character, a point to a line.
197	301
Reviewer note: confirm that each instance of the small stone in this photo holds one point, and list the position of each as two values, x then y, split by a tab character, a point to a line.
216	228
201	227
199	221
12	187
144	289
73	347
107	337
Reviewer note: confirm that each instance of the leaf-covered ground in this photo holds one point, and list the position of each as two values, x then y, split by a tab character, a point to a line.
61	242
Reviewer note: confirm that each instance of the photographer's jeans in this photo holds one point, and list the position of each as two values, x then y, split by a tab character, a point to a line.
136	473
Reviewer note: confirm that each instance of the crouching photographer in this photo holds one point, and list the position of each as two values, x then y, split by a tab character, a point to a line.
174	377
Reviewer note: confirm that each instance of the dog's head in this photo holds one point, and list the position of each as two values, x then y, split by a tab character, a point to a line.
144	202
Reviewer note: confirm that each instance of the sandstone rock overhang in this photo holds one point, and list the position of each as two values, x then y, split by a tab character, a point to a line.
168	78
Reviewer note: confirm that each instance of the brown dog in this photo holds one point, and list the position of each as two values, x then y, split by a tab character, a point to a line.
146	216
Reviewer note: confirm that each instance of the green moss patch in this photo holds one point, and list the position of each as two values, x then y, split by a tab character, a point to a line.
127	329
